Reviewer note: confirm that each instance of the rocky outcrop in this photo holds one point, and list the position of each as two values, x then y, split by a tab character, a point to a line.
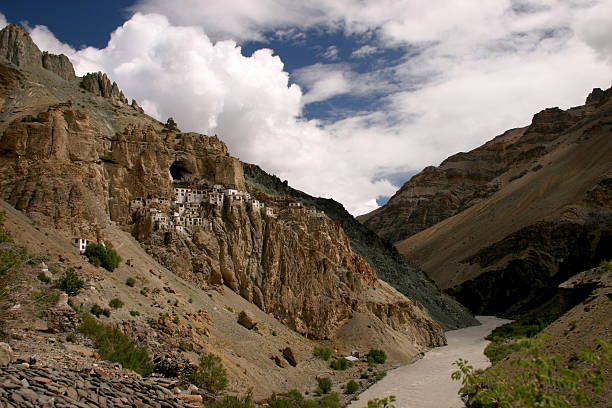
550	218
99	84
464	179
17	47
60	64
390	266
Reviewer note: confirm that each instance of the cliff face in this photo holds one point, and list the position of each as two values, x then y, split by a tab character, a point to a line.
464	179
542	213
390	266
96	163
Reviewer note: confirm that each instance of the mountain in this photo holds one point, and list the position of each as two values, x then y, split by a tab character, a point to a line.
200	241
500	226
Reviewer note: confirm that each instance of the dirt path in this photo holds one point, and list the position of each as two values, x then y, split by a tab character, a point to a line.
427	383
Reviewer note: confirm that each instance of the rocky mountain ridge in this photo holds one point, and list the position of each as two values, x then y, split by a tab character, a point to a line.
74	157
502	225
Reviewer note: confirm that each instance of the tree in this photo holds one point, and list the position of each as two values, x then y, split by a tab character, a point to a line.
171	124
210	374
101	256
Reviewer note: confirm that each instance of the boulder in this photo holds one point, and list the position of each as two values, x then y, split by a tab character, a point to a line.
288	354
279	361
6	354
247	319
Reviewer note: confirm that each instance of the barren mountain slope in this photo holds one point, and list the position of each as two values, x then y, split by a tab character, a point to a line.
550	219
78	161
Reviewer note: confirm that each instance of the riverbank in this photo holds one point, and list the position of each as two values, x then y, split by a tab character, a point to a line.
427	382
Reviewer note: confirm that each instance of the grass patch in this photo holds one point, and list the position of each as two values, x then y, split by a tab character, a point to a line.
69	283
115	346
322	353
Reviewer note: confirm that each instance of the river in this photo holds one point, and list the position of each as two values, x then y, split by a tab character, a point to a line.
427	382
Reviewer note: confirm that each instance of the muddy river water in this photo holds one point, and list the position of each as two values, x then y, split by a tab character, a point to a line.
427	382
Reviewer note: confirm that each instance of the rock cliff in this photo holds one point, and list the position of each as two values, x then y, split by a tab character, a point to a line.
82	162
503	225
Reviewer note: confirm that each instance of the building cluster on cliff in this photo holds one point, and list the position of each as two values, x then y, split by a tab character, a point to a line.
190	199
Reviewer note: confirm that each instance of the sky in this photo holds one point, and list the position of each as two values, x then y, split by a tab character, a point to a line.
344	99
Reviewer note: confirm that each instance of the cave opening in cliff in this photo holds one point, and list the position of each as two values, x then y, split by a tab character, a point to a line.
178	171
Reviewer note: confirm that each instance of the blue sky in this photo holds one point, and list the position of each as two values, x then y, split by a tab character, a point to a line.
344	99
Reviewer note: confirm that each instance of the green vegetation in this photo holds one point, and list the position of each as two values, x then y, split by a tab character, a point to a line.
294	399
376	356
71	338
230	401
43	278
210	374
115	303
134	313
96	310
45	299
382	403
100	255
185	346
351	387
340	364
171	124
324	385
322	353
115	346
536	379
69	283
130	282
607	265
4	236
506	339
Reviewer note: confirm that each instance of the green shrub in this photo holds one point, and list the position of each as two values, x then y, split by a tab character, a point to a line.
43	278
231	401
536	379
322	353
45	298
382	402
340	364
210	374
376	356
351	387
325	385
130	282
185	346
71	338
115	303
96	310
113	345
69	283
134	313
102	256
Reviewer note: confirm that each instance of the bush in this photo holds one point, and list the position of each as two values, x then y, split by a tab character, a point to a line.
382	403
43	278
235	402
351	387
210	374
322	353
340	364
99	255
325	385
535	378
376	356
113	345
115	303
69	283
130	282
134	313
96	310
71	338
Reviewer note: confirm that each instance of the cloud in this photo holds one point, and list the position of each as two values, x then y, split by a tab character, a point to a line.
364	51
471	70
46	40
3	22
331	53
